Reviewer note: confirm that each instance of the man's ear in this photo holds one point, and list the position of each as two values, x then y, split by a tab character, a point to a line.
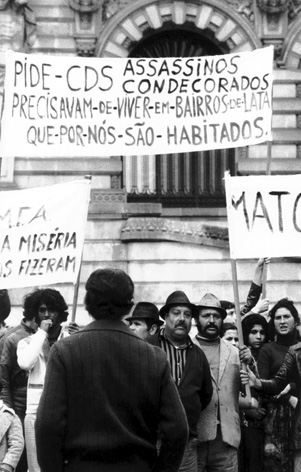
153	329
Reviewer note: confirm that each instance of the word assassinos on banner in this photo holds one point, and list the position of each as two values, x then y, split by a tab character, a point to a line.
85	78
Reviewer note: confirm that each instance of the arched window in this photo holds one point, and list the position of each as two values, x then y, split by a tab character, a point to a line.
192	179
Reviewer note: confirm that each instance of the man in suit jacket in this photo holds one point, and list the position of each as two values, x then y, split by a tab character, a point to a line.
219	424
108	394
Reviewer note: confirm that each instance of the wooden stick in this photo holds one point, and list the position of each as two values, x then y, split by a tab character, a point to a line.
75	294
76	288
268	172
269	157
264	281
238	322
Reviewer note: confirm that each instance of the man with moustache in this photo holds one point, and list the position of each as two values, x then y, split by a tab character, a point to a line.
189	367
219	423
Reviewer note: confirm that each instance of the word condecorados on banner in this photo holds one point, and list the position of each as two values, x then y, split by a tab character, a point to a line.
105	106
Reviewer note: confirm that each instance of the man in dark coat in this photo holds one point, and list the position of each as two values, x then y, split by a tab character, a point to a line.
189	366
108	394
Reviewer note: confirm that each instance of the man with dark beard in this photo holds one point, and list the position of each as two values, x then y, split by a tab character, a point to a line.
189	367
219	423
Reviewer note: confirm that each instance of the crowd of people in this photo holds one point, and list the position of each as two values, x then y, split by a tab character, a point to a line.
141	389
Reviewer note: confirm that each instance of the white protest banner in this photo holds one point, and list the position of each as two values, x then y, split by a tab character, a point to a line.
72	106
42	233
264	216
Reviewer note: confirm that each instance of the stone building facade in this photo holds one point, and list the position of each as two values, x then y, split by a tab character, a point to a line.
162	218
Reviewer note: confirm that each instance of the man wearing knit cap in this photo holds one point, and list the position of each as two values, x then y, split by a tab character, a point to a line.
108	394
219	423
189	367
145	321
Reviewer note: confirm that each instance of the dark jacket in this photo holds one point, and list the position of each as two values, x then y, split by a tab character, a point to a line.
13	378
195	387
107	393
289	372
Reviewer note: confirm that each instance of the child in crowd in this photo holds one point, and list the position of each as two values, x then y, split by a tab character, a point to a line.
11	438
230	334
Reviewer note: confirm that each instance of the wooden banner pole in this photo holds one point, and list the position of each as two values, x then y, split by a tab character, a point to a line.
268	172
238	322
75	294
76	288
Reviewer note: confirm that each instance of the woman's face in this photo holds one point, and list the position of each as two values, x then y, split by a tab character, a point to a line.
284	321
256	337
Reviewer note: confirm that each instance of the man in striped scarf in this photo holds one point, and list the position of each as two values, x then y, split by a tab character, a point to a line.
189	367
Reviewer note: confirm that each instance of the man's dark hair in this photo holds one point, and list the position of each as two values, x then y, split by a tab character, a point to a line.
227	326
149	323
109	294
226	305
48	296
100	311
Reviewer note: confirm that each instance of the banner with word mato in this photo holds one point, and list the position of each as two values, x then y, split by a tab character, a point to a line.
73	106
264	216
42	233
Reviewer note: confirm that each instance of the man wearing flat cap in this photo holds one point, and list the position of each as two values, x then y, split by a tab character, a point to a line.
219	423
144	320
108	394
189	366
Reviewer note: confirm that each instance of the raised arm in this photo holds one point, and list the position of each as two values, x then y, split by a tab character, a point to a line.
255	288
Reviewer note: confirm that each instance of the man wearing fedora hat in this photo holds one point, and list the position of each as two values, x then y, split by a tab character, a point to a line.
145	321
219	423
108	394
189	366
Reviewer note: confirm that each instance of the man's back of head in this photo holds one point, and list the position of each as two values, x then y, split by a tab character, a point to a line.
109	293
107	392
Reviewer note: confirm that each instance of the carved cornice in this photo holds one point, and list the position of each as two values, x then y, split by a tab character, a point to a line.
100	196
85	47
163	229
86	6
273	6
85	33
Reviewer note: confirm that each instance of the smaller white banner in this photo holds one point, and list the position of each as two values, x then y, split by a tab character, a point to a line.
264	216
42	233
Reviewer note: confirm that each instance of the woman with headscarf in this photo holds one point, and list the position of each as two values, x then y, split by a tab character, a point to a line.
255	334
278	454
